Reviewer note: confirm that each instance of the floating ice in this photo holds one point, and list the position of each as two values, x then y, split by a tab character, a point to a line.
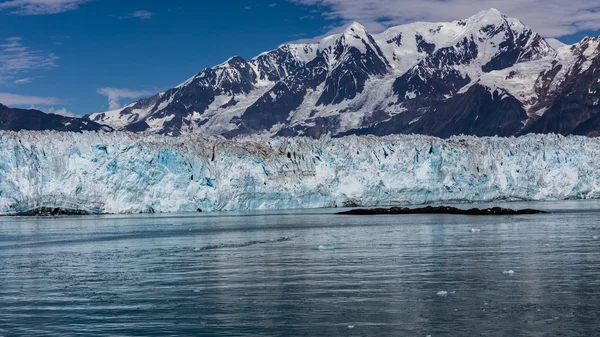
508	272
475	230
350	326
321	247
595	237
442	293
242	244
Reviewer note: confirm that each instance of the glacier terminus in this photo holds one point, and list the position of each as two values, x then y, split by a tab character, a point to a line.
120	172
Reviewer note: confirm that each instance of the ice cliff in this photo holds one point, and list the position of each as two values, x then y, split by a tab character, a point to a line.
130	173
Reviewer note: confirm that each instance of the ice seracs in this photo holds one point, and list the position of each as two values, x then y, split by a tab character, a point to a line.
131	173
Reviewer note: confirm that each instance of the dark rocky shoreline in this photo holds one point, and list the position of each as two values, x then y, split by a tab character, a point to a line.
51	211
441	210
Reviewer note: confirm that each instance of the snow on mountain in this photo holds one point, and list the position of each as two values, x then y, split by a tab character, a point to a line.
388	83
130	173
554	43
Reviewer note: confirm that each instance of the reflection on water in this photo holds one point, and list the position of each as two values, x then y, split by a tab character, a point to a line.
303	274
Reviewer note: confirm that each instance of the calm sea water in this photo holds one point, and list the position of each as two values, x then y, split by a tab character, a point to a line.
303	273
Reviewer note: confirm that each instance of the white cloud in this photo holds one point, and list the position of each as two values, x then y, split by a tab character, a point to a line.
23	80
551	18
21	100
40	7
142	15
115	95
15	58
61	111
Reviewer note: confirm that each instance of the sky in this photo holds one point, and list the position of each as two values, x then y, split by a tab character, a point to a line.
75	57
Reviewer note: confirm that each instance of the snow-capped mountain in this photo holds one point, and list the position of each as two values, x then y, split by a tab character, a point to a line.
486	75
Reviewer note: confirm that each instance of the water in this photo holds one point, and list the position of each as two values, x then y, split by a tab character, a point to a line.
303	273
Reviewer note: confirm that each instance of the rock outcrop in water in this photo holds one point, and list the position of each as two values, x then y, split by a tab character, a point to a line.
51	211
442	210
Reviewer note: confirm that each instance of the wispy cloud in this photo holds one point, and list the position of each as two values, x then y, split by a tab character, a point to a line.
21	100
142	15
115	95
40	7
551	18
61	111
16	58
23	80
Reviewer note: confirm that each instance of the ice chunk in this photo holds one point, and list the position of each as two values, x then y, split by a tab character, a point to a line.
321	247
595	237
508	272
350	326
475	230
442	293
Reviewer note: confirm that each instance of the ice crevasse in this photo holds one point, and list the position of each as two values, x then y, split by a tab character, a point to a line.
131	173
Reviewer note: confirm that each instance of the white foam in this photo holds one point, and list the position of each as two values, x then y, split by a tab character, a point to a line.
442	293
475	230
321	247
508	272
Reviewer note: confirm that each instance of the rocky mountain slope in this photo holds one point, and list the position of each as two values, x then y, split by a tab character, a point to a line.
486	75
19	119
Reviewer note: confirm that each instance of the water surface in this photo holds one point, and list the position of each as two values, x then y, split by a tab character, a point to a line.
303	273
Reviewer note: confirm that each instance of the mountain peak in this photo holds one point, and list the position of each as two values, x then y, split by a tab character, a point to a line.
491	15
491	12
356	27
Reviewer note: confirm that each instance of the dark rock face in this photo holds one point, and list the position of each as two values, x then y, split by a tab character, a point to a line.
20	119
348	78
575	108
434	78
441	210
279	63
477	112
275	106
48	211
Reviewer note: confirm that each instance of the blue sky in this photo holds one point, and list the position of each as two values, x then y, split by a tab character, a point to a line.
62	55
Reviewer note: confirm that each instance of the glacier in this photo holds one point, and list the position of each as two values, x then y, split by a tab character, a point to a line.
124	172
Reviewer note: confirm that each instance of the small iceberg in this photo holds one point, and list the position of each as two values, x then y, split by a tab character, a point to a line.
508	272
350	326
475	230
321	247
442	293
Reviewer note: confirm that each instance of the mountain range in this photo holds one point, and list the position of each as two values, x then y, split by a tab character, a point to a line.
34	120
486	75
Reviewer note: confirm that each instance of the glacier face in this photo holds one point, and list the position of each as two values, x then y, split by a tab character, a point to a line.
131	173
